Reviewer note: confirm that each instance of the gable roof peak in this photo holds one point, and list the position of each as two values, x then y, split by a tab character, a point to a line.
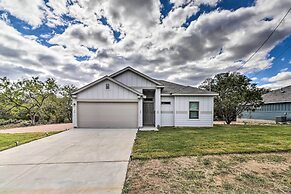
106	77
136	72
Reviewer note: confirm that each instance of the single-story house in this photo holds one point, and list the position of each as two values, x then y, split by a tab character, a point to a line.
131	99
277	103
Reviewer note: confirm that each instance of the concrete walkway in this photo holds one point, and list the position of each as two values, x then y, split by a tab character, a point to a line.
39	128
74	161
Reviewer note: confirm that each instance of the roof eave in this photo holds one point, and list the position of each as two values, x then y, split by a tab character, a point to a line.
177	94
137	72
110	79
277	102
89	85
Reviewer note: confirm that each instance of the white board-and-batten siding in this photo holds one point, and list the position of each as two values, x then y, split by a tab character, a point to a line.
99	92
135	81
182	111
177	113
167	111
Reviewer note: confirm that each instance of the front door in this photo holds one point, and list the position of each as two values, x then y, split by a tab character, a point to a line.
148	113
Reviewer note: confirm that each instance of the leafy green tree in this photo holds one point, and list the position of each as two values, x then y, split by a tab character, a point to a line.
26	95
50	111
236	94
66	93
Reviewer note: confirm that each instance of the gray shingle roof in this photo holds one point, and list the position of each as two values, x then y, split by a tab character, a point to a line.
173	88
280	95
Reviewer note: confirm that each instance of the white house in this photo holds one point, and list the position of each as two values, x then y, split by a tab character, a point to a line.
131	99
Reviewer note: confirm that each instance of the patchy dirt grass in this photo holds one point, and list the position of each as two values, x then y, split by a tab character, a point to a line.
235	173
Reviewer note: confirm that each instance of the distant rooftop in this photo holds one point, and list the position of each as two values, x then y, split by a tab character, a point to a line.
279	95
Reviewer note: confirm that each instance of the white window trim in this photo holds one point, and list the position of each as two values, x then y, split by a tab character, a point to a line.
189	111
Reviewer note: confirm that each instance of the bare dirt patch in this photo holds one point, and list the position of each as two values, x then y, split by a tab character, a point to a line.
39	128
236	173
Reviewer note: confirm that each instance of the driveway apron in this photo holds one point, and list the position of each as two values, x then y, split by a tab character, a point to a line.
74	161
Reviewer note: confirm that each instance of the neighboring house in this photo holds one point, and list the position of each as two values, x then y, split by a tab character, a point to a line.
276	103
131	99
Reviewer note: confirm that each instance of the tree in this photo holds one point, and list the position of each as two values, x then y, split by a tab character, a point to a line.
66	92
236	94
26	96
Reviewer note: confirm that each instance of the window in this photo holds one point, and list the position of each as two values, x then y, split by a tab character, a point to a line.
107	86
166	102
193	110
148	99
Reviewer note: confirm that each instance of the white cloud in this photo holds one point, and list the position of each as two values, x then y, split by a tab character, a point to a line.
97	36
25	54
285	69
216	42
26	10
179	3
282	76
178	16
280	80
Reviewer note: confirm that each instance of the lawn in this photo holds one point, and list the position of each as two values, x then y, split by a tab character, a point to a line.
221	139
232	173
9	140
222	159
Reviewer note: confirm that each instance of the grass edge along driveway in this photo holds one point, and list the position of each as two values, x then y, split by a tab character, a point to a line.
220	139
9	140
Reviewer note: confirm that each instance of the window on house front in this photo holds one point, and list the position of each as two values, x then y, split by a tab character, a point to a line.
148	99
193	110
107	86
166	102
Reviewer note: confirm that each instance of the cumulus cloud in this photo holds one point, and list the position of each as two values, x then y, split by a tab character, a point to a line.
13	72
30	11
97	36
285	69
178	16
216	42
179	3
280	80
18	53
282	76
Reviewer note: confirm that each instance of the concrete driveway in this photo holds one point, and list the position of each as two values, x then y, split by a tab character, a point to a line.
74	161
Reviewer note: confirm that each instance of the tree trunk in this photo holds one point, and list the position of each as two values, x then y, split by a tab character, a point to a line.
228	122
32	119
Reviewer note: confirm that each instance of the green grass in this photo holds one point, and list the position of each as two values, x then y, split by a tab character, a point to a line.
8	140
221	139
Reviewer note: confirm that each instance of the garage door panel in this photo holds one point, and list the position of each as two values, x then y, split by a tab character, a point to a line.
107	115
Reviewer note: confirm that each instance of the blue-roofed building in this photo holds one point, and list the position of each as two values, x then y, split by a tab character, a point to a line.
276	103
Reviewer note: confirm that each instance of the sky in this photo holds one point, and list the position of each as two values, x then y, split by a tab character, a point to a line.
184	41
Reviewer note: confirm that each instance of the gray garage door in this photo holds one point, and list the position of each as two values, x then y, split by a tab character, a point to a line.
107	115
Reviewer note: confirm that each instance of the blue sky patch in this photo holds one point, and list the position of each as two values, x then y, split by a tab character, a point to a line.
82	58
166	7
221	5
282	60
43	32
116	33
